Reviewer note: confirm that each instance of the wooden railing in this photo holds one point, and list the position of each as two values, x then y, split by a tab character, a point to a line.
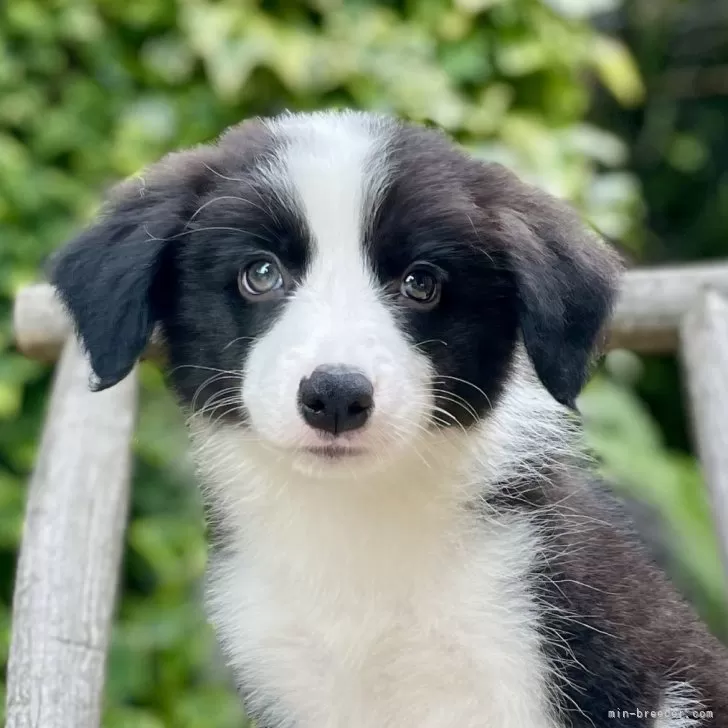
77	498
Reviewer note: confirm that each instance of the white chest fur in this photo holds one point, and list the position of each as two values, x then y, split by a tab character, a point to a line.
349	623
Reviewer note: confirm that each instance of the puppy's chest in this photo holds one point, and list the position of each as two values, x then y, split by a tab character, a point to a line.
464	652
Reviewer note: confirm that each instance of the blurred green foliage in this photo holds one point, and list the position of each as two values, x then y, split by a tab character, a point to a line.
91	90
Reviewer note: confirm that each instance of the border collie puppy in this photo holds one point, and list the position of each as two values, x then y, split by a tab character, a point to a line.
379	341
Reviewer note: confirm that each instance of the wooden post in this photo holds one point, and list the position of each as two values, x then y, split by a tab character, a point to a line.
70	554
704	352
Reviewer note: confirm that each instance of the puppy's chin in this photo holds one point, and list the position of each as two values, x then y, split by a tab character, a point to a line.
348	460
337	462
228	451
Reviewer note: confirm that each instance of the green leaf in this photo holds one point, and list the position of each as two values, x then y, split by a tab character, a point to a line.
617	70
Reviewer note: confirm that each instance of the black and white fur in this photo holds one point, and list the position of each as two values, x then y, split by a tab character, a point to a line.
451	563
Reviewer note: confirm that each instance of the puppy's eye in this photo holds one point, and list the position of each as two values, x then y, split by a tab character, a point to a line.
260	279
421	286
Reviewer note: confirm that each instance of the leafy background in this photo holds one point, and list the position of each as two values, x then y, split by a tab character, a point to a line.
617	106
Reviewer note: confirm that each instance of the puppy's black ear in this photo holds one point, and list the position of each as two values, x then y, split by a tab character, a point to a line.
110	276
566	280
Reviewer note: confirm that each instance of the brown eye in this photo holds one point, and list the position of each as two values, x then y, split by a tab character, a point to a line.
421	286
261	278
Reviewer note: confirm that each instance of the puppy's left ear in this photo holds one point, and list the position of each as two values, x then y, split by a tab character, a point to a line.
112	277
566	280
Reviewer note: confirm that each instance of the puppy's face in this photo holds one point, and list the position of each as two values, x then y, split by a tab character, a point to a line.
336	287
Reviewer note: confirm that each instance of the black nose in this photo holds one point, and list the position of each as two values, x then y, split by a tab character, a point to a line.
335	399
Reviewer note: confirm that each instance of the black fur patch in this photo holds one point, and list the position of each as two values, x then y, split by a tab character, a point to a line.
167	252
428	214
615	632
519	264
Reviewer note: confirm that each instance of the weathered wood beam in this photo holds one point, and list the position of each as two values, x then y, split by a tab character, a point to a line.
71	551
648	316
41	325
654	301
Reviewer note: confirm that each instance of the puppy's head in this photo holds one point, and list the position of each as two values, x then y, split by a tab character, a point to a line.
335	286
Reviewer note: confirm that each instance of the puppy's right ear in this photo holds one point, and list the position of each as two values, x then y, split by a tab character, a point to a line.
108	277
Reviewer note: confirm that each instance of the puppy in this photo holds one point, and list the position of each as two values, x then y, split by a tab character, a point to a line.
379	341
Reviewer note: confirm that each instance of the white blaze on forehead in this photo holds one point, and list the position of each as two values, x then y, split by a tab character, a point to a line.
334	168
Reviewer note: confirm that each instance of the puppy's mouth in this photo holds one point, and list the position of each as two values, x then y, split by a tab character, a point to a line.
333	452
